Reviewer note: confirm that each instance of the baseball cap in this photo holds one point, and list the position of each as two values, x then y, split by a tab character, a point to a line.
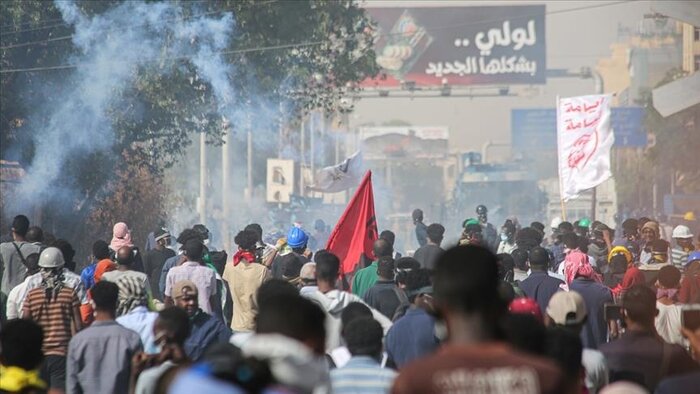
184	288
567	308
161	233
526	306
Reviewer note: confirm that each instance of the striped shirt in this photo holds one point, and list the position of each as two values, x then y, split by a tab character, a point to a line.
55	317
679	257
362	375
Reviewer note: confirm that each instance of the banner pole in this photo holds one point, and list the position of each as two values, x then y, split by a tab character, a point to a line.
563	210
561	187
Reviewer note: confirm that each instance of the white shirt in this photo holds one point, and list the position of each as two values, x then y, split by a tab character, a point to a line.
668	323
69	279
597	373
15	300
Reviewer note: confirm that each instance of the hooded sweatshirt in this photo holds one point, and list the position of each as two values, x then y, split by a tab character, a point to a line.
292	363
333	303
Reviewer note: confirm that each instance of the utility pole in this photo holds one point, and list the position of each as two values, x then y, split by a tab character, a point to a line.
202	178
225	181
599	88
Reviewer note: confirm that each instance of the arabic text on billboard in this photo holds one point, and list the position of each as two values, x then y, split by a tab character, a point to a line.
461	45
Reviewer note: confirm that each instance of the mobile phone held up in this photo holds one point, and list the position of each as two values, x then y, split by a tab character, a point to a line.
612	312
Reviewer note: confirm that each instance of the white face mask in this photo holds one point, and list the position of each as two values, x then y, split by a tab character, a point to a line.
504	237
206	242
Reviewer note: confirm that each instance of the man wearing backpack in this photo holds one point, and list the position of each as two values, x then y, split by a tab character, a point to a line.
13	259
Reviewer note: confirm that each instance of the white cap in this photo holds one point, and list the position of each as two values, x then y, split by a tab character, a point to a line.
682	231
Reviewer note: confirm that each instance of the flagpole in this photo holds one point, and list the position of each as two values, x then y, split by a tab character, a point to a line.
561	187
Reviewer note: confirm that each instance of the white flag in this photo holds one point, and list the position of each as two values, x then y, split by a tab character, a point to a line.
584	142
340	176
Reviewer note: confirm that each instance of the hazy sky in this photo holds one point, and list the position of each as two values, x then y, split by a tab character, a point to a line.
574	39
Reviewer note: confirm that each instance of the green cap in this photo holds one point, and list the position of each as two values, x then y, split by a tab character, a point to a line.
469	221
585	222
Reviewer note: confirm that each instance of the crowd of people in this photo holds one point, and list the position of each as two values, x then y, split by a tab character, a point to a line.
572	308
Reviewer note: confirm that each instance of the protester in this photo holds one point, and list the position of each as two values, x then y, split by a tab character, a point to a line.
334	301
133	312
508	287
639	355
668	318
205	329
564	347
471	233
99	357
289	265
308	278
391	238
558	248
421	229
428	254
179	258
520	265
367	277
171	329
622	273
684	246
194	270
320	235
264	253
567	309
290	337
384	295
15	299
539	285
474	357
658	259
526	306
601	244
363	373
413	335
154	259
690	284
491	239
507	242
244	276
21	341
121	236
341	355
56	308
125	262
13	257
100	252
650	234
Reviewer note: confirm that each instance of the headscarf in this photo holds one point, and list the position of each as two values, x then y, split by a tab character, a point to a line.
652	226
576	264
121	236
131	294
52	281
15	379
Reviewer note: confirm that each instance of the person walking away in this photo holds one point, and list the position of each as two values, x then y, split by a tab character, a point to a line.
684	246
205	329
14	302
179	258
308	278
154	259
289	265
413	335
668	319
475	357
244	277
21	341
341	355
690	284
507	243
567	309
539	285
13	257
56	308
194	270
121	236
264	253
639	355
334	301
391	238
171	329
384	295
427	255
100	252
99	357
363	374
125	261
133	312
421	228
367	277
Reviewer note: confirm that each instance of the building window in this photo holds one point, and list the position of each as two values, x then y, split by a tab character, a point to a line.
697	63
696	34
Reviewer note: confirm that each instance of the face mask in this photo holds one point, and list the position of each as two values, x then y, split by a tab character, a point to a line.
504	237
206	242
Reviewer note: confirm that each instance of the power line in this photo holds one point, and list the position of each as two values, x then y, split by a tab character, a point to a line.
314	43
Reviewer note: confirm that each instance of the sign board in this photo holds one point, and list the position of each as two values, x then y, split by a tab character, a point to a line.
280	180
536	129
460	46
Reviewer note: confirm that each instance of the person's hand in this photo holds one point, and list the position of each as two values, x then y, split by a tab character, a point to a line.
693	338
281	243
606	237
139	363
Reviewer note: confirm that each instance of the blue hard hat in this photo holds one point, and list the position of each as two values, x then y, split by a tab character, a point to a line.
297	238
693	256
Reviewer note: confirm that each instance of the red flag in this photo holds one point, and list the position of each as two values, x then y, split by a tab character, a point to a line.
356	230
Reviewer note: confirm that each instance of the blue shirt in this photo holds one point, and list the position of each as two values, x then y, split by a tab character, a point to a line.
540	287
169	263
206	330
411	337
595	295
87	276
141	320
362	375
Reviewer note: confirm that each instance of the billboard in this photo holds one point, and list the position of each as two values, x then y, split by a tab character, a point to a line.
280	180
404	141
536	128
460	46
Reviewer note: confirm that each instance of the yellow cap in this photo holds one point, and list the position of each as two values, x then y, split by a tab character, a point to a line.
620	249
